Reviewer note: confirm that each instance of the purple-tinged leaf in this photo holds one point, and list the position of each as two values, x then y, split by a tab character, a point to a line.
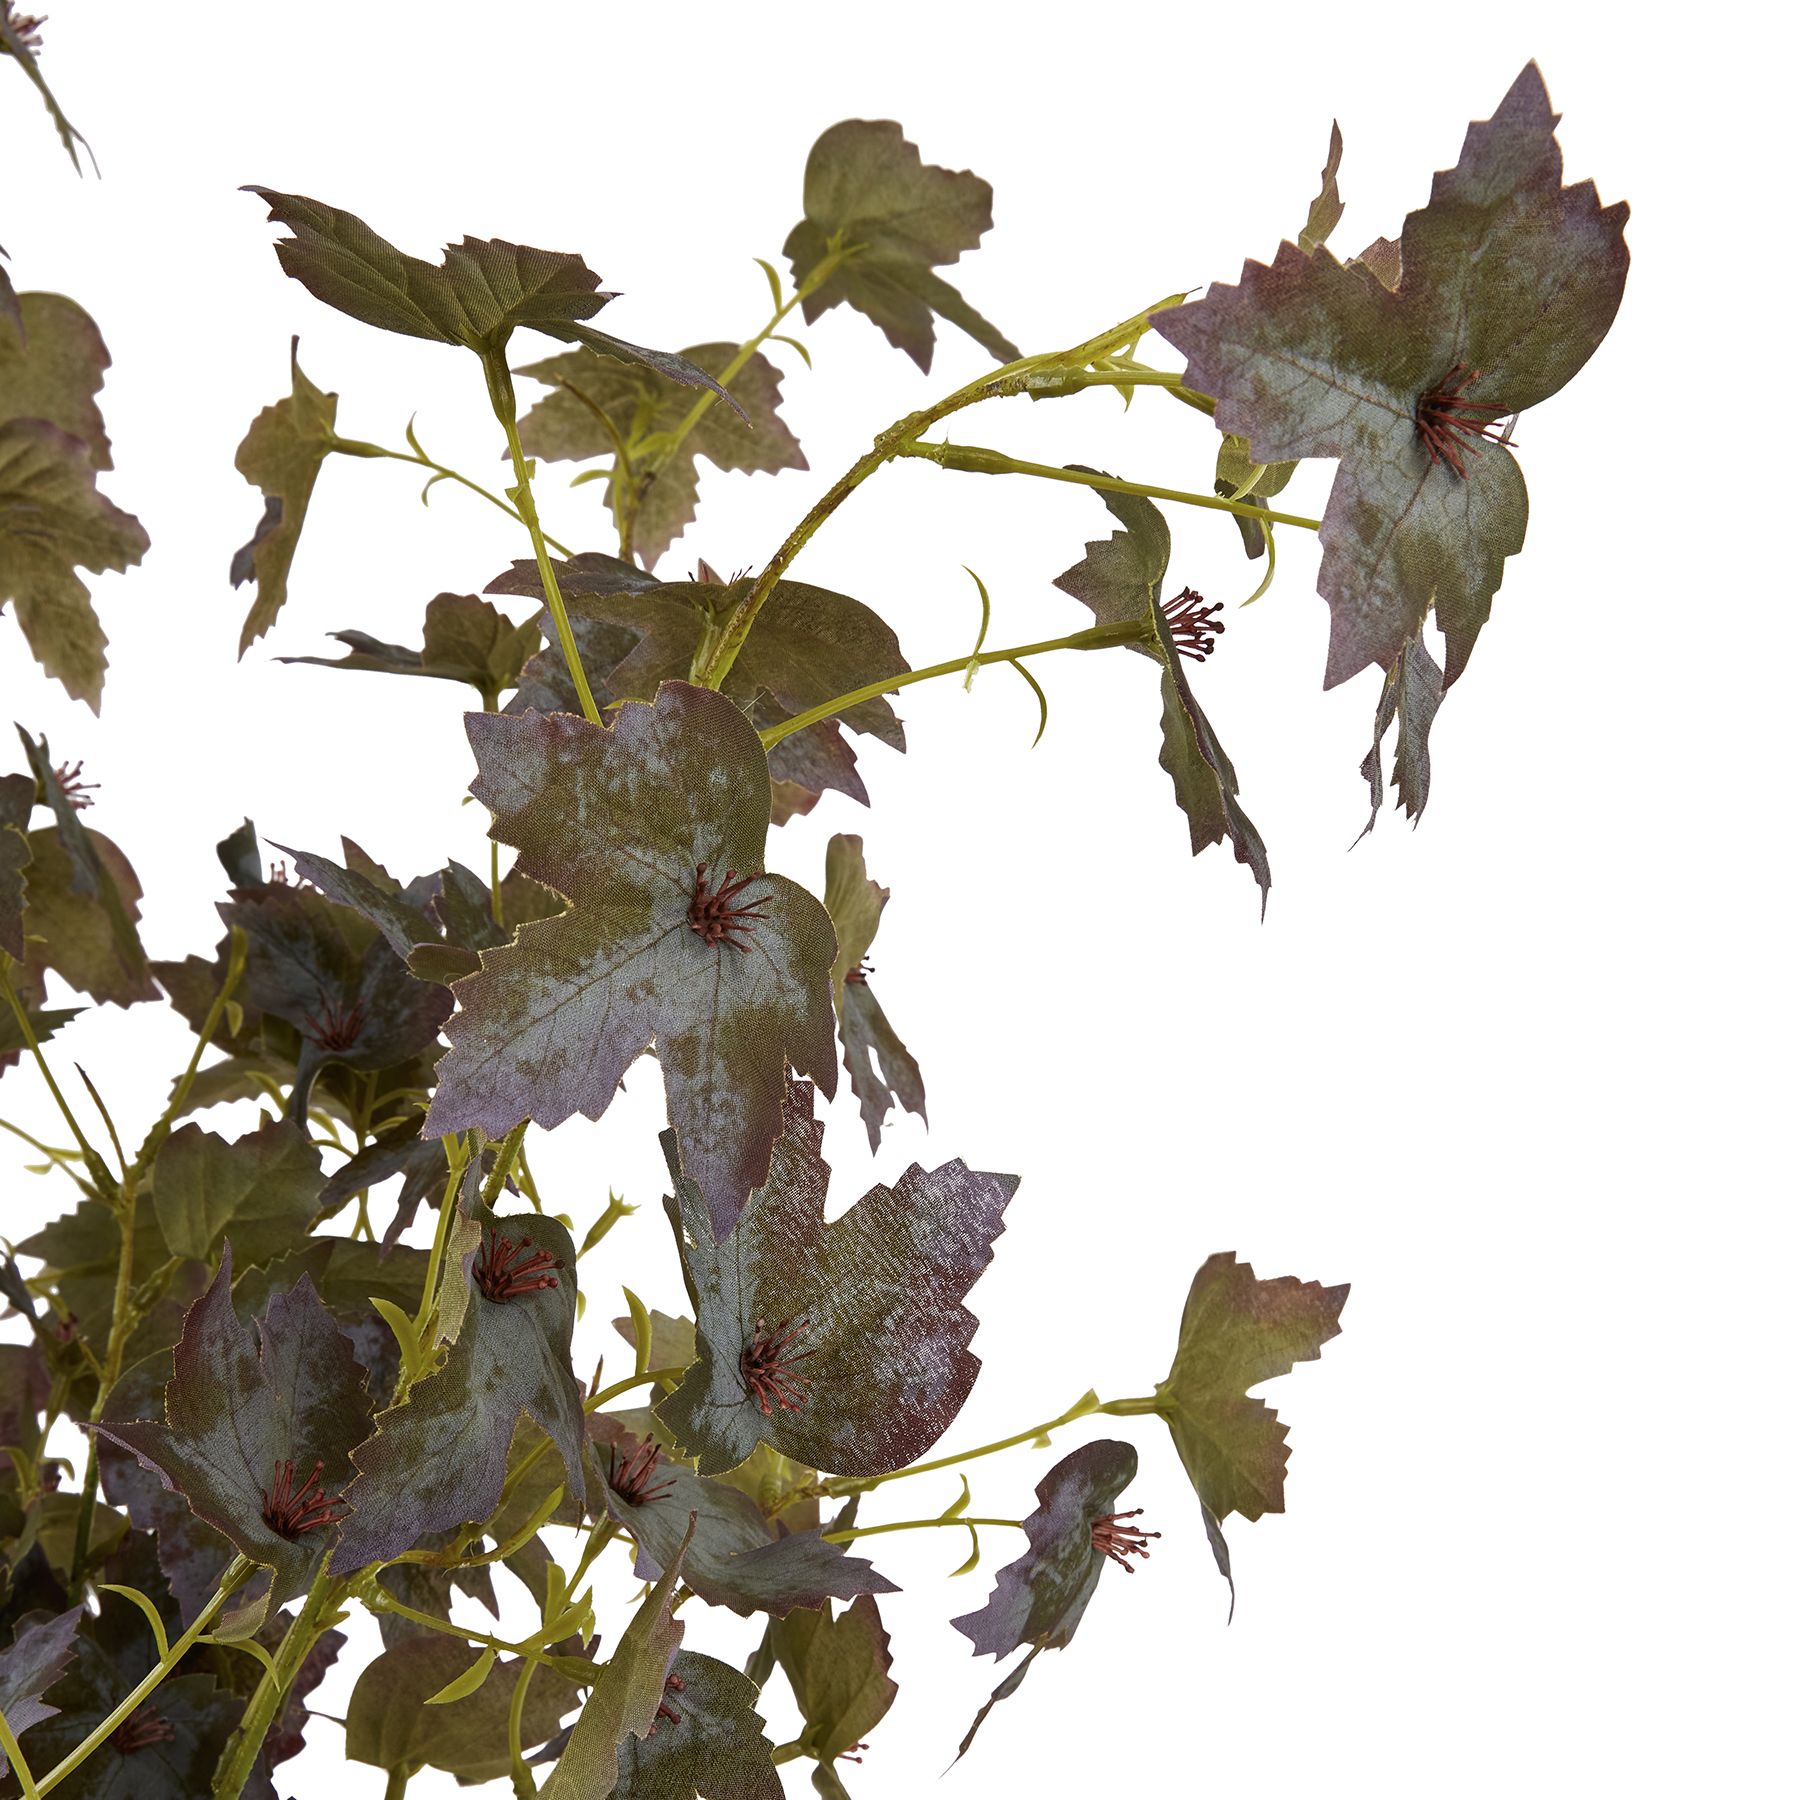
838	1667
735	1559
1411	693
867	186
709	1740
419	1161
52	369
1507	282
1328	206
259	1423
89	939
467	639
18	794
653	828
439	1460
843	1345
32	1664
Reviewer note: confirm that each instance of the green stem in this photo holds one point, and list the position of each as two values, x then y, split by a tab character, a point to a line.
399	1779
233	1578
245	1745
98	1170
15	1757
355	447
503	1162
787	1752
524	1786
1056	387
972	459
59	1159
1015	378
862	1531
858	1484
388	1604
500	393
1138	1403
1096	637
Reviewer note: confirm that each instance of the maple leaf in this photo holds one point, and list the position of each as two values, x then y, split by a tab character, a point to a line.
843	1345
653	828
1507	282
867	186
259	1422
32	1663
855	903
264	1190
708	1740
603	407
839	1669
735	1559
1121	579
74	932
52	369
1040	1598
466	639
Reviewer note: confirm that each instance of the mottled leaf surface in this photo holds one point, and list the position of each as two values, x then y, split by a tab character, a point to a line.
52	368
245	1398
838	1667
867	186
1411	695
735	1559
619	819
439	1460
263	1189
90	939
1508	280
32	1663
713	1749
466	639
419	1161
884	1351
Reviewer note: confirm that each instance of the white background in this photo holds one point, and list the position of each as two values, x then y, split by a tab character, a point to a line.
1514	1075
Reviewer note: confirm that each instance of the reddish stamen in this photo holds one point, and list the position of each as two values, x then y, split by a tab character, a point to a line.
291	1511
145	1726
849	1756
1112	1537
1193	625
766	1362
716	917
74	789
335	1026
504	1269
673	1684
631	1479
1449	425
861	973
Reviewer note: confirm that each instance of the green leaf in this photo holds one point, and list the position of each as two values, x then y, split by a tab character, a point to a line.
282	453
620	820
386	1723
838	1668
247	1402
1237	1331
713	1745
867	187
638	405
53	368
843	1345
439	1460
672	1344
627	1698
263	1189
53	521
1039	1599
33	1663
1327	208
1411	693
855	903
1508	281
467	639
18	794
76	933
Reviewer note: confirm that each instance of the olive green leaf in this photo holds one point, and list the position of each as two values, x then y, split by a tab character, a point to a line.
53	368
73	931
672	1343
838	1667
1238	478
80	1254
10	309
1120	579
439	1459
282	453
1040	1598
20	39
259	1422
1411	694
482	291
602	407
53	521
389	1724
736	1559
855	903
18	794
843	1345
707	1742
869	191
653	828
1328	207
1508	281
466	639
633	1690
32	1663
1237	1331
264	1189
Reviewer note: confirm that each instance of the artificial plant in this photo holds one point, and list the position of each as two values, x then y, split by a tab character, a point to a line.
287	1410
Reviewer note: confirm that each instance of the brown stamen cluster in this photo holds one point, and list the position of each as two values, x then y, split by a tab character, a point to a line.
1448	425
335	1026
293	1511
76	791
1113	1537
766	1365
715	913
632	1479
504	1269
145	1726
674	1685
1193	625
